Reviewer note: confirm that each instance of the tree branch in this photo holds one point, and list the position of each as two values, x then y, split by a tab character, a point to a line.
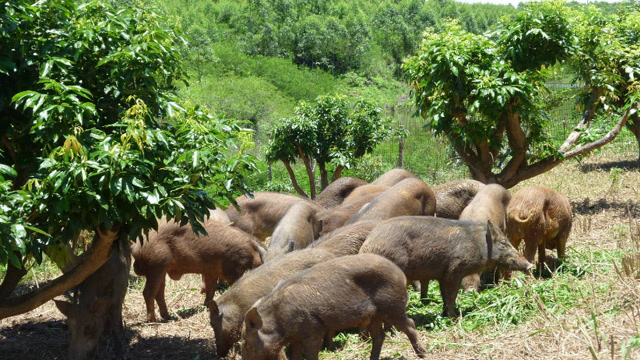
294	181
310	174
89	262
517	143
588	115
551	162
337	173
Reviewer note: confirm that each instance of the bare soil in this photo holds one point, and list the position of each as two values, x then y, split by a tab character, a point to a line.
604	192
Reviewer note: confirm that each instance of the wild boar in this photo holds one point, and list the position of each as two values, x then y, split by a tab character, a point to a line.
410	196
452	197
392	177
260	215
346	240
297	229
98	305
542	218
334	194
490	203
227	312
336	217
225	252
365	191
356	291
429	248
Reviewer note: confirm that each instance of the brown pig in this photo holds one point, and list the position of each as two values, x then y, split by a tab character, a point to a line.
227	312
336	217
490	203
225	252
452	197
392	177
410	196
346	240
365	191
429	248
297	229
98	305
542	218
260	215
356	291
334	194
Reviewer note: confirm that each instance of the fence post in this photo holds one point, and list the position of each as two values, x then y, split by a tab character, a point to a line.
401	148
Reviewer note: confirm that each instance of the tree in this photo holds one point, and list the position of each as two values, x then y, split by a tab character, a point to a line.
329	131
92	138
484	92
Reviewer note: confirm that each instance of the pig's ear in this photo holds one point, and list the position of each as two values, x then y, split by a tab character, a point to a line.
100	306
493	229
213	307
64	307
253	320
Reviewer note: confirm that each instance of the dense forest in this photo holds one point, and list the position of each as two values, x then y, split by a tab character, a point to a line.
255	60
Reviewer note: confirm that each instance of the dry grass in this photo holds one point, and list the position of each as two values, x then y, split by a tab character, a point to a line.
602	320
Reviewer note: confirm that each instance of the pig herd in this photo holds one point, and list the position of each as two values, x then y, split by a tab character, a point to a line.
341	261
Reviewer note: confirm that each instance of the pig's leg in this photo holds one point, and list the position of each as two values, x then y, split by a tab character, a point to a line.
155	281
297	350
377	338
328	340
312	346
210	284
449	291
162	304
541	257
424	289
407	326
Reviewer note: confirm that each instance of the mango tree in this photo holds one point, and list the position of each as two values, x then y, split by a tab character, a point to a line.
485	92
92	138
329	131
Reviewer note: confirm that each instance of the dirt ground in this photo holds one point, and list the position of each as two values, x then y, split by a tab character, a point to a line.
604	191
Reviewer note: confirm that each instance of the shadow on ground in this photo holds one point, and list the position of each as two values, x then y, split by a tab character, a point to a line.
49	339
624	209
607	166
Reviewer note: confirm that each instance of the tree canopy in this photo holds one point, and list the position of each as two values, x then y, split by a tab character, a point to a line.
92	136
485	93
330	131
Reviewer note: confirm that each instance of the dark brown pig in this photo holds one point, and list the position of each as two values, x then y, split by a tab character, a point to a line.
297	229
490	203
408	197
356	291
392	177
346	240
334	194
429	248
227	312
98	305
365	191
452	197
336	217
260	215
225	252
542	218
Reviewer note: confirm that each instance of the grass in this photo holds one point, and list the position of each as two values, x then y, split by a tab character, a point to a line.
589	308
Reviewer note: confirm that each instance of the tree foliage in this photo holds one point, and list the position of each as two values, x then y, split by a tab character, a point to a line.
484	92
329	131
91	134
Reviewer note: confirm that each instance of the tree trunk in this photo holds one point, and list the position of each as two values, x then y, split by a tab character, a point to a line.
310	173
294	181
11	280
337	173
324	177
634	127
88	263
